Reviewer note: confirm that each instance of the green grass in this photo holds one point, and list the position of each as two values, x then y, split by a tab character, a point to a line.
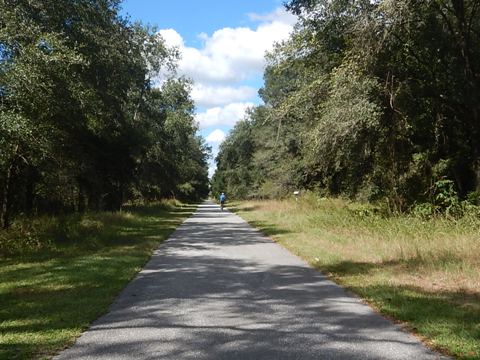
67	272
423	273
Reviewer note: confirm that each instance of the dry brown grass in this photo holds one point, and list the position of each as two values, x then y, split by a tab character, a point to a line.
424	272
434	253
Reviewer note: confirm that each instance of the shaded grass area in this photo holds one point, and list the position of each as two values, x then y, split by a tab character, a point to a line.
51	292
423	273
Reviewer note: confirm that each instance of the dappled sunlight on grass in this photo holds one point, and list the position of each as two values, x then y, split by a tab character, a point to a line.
50	293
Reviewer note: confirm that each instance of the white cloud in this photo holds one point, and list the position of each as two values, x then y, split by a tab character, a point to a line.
278	14
211	164
172	38
211	170
231	54
203	36
228	115
216	136
210	96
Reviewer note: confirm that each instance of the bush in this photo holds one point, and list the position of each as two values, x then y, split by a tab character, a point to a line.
448	203
446	198
474	198
424	210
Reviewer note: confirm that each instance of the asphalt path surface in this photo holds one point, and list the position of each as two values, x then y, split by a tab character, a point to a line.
218	289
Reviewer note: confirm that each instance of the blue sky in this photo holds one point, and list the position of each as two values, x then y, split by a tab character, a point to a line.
223	43
191	17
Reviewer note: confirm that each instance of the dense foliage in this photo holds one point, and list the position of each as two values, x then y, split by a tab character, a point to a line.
81	124
366	99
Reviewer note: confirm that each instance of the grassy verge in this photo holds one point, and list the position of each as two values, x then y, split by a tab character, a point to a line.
423	273
57	275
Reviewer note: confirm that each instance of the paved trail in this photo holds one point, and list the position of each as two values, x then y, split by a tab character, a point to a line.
218	289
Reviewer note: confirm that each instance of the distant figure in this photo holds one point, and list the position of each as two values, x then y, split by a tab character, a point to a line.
222	200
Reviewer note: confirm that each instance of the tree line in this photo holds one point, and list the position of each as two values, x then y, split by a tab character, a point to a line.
373	100
82	126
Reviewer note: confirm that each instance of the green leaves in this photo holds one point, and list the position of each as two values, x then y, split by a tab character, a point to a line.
367	99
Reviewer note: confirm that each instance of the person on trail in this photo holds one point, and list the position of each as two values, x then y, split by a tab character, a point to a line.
222	200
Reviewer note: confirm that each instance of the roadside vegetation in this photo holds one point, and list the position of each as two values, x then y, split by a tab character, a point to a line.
422	272
60	273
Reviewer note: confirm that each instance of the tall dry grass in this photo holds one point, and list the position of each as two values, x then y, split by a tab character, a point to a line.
434	253
31	235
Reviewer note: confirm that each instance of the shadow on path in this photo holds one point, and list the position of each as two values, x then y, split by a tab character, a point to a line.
218	289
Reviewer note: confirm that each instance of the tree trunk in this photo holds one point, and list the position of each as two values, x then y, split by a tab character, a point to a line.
5	210
121	195
476	149
464	44
30	191
7	192
81	201
476	169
